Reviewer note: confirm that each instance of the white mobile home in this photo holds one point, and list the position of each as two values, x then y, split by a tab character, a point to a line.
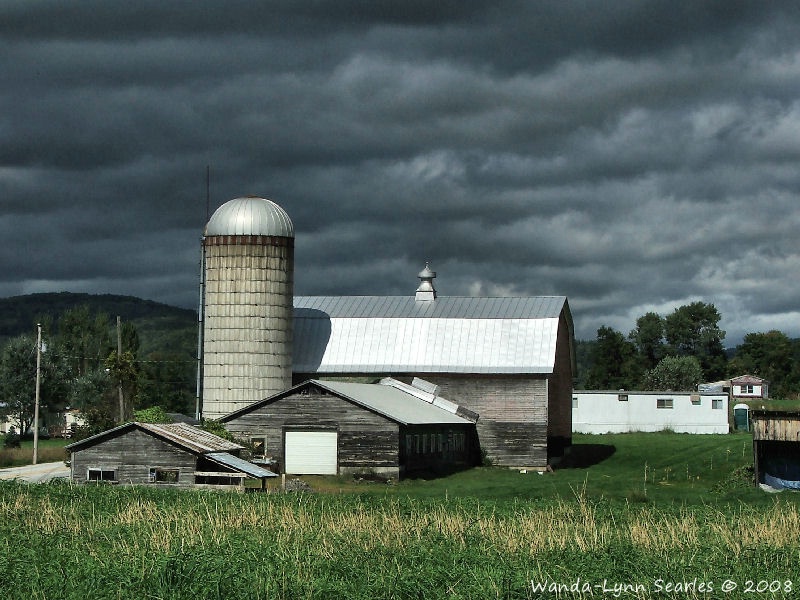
625	411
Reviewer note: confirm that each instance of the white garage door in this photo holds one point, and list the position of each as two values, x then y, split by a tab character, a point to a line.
311	452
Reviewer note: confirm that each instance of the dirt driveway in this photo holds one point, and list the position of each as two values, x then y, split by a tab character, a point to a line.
41	473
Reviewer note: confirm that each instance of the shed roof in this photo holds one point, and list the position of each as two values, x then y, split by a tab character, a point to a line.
389	401
239	464
380	334
192	438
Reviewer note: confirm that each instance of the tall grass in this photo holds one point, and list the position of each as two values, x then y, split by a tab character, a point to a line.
92	542
17	457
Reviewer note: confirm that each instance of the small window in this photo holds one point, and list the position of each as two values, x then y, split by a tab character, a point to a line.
664	403
574	402
159	475
622	397
409	443
747	389
695	399
259	446
716	403
100	474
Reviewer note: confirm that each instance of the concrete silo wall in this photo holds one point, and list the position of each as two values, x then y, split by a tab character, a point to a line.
247	344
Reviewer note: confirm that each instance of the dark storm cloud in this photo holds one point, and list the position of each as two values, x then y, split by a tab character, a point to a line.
633	156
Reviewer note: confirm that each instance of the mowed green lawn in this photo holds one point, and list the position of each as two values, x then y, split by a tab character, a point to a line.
636	467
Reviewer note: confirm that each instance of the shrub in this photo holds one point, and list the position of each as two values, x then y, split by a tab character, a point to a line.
12	441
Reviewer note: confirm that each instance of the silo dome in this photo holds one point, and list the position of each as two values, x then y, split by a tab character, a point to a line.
250	216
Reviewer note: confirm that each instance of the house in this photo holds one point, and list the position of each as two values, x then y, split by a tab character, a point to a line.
749	387
626	411
776	448
334	427
174	454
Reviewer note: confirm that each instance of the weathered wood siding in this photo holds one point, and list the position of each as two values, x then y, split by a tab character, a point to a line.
437	448
131	454
559	394
513	409
775	426
367	441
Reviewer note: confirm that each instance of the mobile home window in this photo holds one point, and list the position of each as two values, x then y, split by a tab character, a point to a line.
622	397
574	402
695	399
664	403
159	475
716	403
100	474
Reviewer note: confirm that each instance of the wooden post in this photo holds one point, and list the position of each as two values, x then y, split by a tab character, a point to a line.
119	383
38	387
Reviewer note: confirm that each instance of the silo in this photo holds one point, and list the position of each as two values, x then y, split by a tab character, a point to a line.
248	256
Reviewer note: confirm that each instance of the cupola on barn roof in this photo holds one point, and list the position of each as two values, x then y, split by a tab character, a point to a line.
250	216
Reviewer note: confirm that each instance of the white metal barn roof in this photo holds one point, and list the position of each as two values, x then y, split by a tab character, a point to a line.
378	334
250	216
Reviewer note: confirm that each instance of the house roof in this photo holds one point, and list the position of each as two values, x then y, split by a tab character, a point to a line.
391	334
747	379
187	436
389	401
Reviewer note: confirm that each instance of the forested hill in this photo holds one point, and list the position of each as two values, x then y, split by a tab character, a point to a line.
160	327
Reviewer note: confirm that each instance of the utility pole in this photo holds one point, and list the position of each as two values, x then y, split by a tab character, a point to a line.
119	382
38	386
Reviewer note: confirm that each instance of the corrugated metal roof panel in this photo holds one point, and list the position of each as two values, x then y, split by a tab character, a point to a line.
191	437
376	334
393	403
239	464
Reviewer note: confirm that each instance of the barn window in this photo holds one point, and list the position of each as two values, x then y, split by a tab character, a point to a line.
418	443
716	403
159	475
409	443
664	403
259	446
101	474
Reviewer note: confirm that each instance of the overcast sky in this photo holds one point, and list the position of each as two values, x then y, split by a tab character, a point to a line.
633	156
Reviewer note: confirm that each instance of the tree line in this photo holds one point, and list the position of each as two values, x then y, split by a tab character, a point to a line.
92	364
685	348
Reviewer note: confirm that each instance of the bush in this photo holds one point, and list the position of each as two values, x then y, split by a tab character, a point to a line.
12	441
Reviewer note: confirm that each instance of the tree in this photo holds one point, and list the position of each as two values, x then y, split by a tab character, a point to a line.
96	397
153	414
86	340
691	330
675	373
614	362
122	370
648	337
18	380
769	355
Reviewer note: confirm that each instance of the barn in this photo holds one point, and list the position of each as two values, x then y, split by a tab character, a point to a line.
776	448
509	360
332	427
175	454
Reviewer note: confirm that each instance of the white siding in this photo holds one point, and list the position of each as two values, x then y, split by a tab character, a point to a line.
603	412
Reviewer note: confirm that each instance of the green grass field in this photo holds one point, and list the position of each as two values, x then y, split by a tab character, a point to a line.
49	450
629	516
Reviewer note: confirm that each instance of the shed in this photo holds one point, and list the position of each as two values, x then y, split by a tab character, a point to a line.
175	454
334	427
776	448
